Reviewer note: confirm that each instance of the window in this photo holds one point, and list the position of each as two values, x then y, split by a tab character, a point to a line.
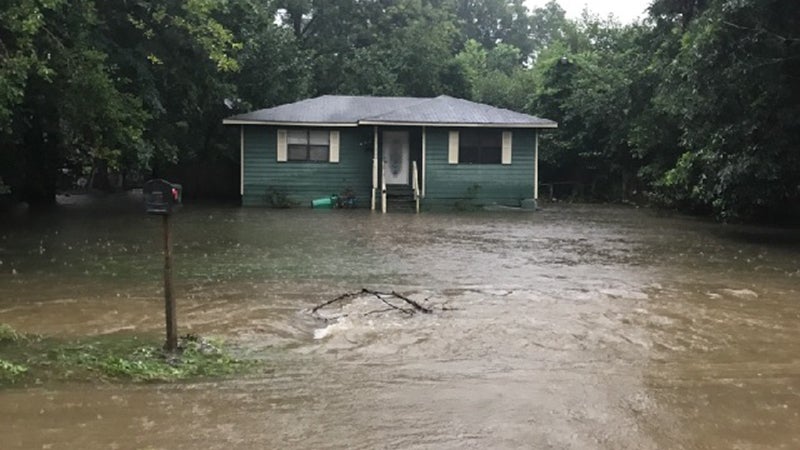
308	145
480	146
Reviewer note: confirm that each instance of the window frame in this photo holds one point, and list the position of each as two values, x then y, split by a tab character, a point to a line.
308	145
477	146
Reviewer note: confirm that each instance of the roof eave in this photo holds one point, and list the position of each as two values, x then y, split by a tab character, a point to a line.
457	124
288	124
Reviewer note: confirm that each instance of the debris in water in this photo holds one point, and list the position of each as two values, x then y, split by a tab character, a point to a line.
389	299
740	293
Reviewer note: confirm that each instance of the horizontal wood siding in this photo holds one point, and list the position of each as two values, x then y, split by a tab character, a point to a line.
479	184
305	181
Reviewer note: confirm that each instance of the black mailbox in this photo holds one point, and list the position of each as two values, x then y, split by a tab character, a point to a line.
161	196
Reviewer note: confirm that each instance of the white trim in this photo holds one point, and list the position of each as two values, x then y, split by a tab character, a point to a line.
383	187
374	169
459	125
536	166
333	150
281	146
241	160
376	122
505	157
424	153
452	147
288	124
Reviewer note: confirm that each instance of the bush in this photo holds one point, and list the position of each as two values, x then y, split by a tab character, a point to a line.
10	372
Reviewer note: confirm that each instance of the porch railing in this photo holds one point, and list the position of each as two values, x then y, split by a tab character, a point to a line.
415	184
383	187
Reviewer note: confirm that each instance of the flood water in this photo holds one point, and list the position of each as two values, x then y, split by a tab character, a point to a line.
576	327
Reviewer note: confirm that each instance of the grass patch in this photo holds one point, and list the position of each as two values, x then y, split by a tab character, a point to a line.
8	334
32	359
11	372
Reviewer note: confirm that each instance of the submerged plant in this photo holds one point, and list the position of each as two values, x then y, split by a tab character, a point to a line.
116	357
469	201
8	334
197	357
278	199
10	371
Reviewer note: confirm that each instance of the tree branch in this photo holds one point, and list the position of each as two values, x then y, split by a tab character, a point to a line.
341	297
380	296
742	27
416	305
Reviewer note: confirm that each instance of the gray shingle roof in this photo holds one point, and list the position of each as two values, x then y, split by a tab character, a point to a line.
352	110
330	109
448	110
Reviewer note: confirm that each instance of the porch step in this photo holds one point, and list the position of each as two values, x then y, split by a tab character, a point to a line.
399	192
400	198
405	206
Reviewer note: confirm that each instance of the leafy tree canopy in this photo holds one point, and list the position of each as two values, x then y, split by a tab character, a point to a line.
695	107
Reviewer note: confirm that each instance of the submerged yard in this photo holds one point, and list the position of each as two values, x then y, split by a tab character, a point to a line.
574	327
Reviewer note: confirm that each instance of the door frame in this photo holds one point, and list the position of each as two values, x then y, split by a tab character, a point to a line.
405	157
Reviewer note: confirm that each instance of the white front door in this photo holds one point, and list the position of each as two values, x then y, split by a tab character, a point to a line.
395	157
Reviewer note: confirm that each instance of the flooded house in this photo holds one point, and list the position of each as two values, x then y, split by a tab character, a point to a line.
437	151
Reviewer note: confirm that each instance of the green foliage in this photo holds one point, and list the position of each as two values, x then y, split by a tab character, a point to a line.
8	334
24	21
548	25
695	108
115	357
401	48
588	83
11	372
197	358
495	76
109	87
197	20
730	88
493	22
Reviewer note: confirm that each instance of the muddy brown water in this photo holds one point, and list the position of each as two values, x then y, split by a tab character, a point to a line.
575	327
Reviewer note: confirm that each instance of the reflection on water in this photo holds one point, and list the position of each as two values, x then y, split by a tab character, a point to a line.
575	327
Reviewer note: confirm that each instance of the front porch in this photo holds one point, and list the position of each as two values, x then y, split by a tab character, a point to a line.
453	167
398	166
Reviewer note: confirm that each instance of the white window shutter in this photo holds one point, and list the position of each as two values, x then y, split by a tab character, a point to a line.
506	147
333	155
452	149
281	149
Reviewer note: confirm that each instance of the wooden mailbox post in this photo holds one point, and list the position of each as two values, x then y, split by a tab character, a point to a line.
163	198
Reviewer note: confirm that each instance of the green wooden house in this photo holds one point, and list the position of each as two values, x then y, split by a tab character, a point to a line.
435	151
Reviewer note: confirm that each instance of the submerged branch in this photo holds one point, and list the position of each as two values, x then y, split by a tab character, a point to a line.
396	307
382	296
416	305
378	311
341	297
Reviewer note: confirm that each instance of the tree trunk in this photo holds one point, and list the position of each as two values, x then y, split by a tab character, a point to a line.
37	181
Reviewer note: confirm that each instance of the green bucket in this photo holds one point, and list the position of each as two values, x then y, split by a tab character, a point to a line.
324	202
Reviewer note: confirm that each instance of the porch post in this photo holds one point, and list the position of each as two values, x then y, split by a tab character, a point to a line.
424	150
241	160
536	165
374	168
